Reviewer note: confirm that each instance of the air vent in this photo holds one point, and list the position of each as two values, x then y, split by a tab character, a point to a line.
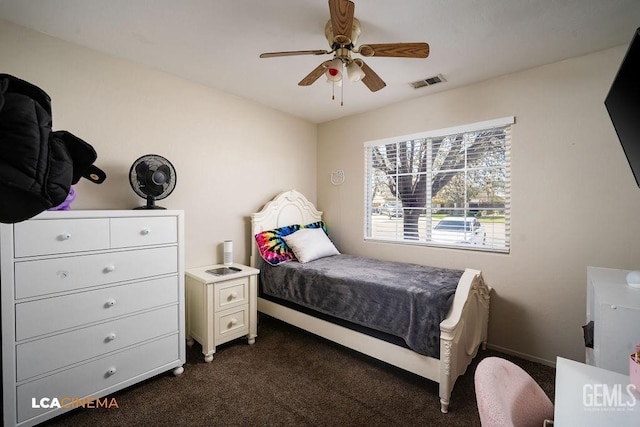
428	81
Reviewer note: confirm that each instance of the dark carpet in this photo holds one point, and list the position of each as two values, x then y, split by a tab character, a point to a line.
292	378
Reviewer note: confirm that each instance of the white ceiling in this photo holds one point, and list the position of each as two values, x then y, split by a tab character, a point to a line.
217	43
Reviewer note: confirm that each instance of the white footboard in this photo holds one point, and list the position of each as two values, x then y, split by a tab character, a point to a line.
463	331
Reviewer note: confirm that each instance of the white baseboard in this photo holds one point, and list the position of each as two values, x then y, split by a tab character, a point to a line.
522	355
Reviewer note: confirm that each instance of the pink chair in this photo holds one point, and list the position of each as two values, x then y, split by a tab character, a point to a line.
508	396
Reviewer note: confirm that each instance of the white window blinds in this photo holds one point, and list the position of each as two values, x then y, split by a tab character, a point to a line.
449	187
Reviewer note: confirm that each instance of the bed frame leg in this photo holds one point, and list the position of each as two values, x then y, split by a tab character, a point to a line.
444	406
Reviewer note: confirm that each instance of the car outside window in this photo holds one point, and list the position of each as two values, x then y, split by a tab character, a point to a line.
449	225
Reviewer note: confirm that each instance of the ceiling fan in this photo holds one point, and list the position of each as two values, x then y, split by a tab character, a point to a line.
342	32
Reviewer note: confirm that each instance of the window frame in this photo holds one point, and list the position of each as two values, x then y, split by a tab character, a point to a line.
428	137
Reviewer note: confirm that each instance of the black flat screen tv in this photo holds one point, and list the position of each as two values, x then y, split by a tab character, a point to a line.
623	105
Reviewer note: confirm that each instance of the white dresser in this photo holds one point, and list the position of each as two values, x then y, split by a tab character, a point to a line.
92	302
614	309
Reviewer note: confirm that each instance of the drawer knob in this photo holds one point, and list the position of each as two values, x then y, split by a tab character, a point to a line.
145	231
111	371
63	274
109	268
64	236
233	322
112	336
233	295
110	303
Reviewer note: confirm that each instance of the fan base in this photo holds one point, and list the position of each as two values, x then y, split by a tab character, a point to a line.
149	207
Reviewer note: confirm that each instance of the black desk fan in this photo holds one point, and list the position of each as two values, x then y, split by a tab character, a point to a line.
152	177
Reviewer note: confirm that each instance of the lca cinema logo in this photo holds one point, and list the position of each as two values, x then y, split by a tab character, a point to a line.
609	397
74	402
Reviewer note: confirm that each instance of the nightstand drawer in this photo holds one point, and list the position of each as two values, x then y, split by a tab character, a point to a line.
48	315
91	378
55	236
54	352
128	232
231	324
47	276
231	293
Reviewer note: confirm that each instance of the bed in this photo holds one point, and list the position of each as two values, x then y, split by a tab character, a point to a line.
459	335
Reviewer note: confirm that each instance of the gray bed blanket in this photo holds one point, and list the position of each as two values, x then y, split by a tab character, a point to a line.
405	300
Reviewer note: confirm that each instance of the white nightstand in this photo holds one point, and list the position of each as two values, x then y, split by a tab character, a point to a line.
221	308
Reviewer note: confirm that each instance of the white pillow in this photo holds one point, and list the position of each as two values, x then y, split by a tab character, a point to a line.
308	244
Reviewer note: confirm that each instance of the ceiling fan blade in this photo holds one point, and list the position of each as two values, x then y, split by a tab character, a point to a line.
401	50
371	79
294	53
341	12
314	75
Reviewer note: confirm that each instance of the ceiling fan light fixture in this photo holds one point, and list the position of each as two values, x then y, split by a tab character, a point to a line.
354	72
334	70
337	77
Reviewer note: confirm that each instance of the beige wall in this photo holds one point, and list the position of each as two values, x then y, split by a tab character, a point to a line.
231	155
574	200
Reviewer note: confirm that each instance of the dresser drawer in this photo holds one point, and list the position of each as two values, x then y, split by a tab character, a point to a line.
57	351
128	232
54	236
48	315
91	378
47	276
231	293
231	324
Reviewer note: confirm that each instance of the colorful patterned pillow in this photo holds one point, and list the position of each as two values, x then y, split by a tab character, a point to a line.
272	246
319	224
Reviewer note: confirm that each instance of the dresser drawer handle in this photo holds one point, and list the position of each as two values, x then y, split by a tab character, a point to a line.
111	371
63	274
112	336
110	303
109	268
233	322
64	236
145	231
233	295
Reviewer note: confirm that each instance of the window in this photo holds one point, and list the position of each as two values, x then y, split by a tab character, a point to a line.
449	187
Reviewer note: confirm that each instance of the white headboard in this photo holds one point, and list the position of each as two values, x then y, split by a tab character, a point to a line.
287	208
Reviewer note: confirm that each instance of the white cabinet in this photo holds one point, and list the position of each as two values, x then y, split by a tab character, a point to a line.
614	309
92	302
221	308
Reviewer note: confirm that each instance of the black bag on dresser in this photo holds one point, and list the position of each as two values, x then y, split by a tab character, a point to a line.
37	165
